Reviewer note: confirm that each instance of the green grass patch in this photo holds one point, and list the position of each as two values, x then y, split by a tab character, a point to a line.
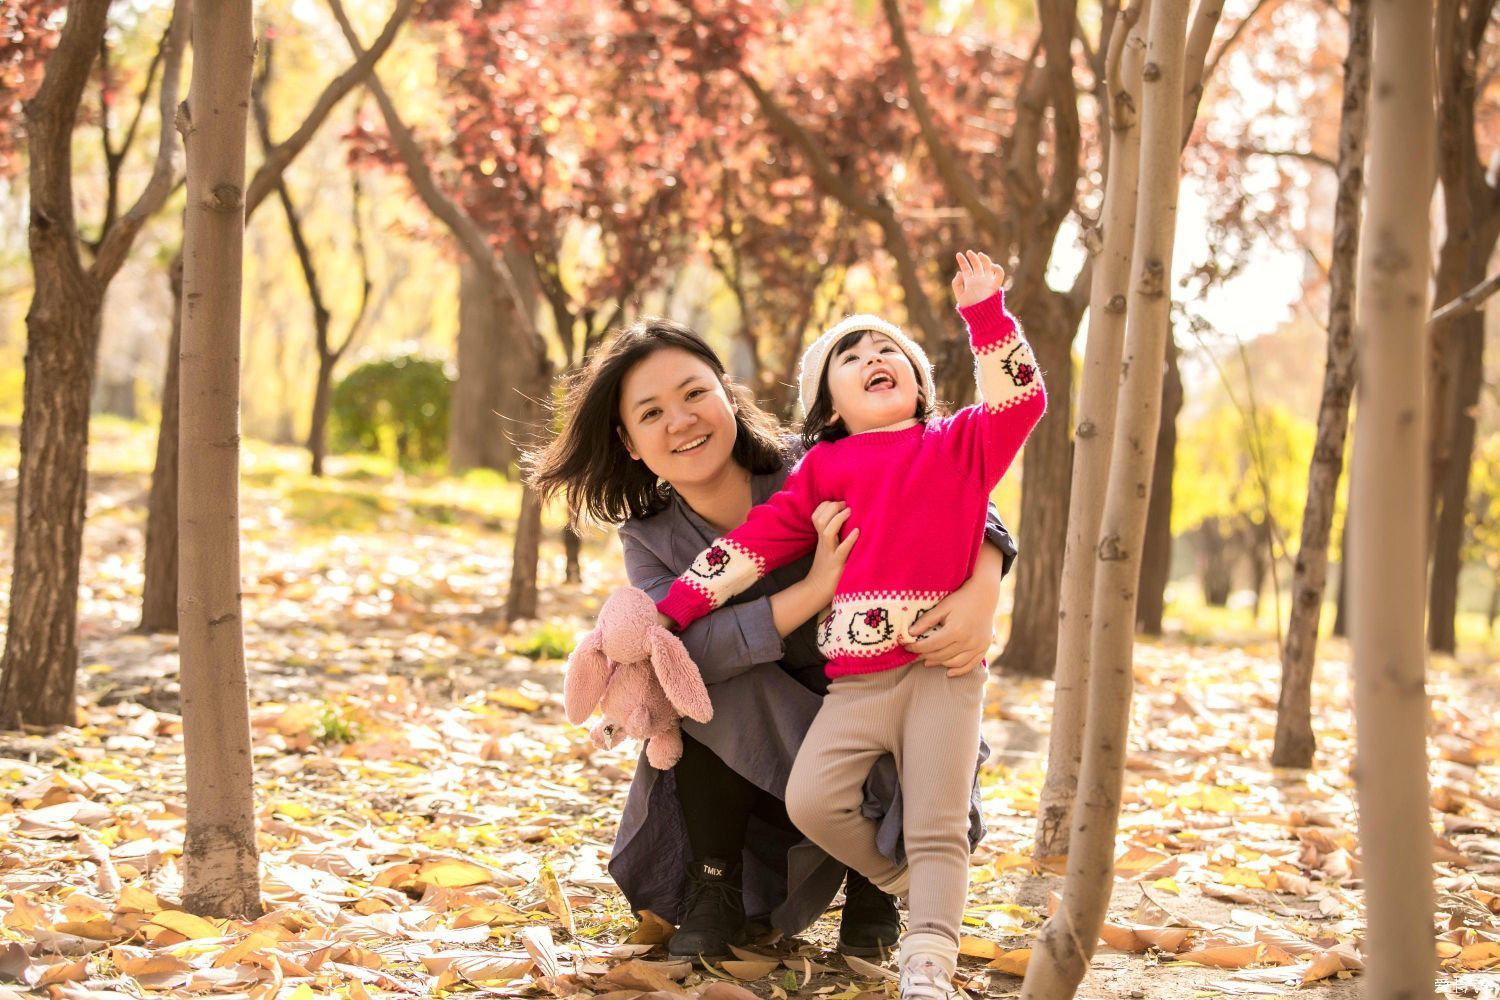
548	641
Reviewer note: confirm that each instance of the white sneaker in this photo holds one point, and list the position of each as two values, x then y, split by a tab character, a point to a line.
923	979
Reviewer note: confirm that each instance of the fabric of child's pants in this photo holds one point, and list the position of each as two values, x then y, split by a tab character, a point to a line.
930	723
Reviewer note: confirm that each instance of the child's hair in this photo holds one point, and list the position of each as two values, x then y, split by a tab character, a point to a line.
820	425
587	460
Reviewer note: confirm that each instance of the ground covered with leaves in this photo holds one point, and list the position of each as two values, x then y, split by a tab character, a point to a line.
430	824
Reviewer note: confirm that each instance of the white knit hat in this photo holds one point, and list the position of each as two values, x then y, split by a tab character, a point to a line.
815	358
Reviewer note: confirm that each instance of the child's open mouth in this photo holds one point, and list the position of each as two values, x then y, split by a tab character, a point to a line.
880	381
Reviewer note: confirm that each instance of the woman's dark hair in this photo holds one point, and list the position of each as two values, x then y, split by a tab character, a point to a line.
587	461
819	423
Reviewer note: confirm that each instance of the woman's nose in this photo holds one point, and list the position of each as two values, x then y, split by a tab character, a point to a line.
678	419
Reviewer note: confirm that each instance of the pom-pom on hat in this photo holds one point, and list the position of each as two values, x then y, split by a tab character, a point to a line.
815	358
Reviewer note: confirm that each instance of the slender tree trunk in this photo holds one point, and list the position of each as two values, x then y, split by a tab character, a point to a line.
161	523
317	431
1067	940
1214	566
573	547
479	435
159	600
220	859
1341	609
1295	743
1471	208
1389	485
1095	433
40	662
1046	476
1466	377
1156	555
521	601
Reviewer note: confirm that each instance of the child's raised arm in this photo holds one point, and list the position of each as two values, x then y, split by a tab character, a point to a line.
1012	396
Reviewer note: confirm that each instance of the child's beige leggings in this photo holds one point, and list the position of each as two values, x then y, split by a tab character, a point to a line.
930	723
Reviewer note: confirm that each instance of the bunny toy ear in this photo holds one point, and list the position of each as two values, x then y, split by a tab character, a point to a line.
588	675
678	675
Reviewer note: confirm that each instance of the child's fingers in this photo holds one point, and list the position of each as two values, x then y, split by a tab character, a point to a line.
848	543
963	265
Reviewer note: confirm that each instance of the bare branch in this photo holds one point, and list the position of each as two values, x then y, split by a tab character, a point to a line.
115	243
1471	301
955	178
280	157
1294	154
356	196
1234	36
438	202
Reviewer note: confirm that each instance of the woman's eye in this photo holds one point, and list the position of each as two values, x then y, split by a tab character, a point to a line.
695	393
649	414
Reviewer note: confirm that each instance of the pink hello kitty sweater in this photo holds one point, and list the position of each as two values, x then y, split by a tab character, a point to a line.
918	495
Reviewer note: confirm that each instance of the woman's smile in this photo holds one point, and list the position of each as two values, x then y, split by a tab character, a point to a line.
692	445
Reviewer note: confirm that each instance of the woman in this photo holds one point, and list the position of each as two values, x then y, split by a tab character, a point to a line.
658	440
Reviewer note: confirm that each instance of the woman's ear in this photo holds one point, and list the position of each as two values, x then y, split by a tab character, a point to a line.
728	383
625	440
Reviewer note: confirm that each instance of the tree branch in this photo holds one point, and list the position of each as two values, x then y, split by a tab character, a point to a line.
1295	154
115	243
438	202
1471	301
1234	36
279	158
955	178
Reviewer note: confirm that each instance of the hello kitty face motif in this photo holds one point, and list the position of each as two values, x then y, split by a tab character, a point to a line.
710	563
1020	364
825	630
871	627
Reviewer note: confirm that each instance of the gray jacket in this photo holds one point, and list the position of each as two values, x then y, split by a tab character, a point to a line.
765	691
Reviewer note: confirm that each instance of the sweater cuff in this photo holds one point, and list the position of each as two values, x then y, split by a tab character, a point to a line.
989	322
684	604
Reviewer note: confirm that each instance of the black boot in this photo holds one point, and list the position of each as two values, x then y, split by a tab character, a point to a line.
870	924
713	916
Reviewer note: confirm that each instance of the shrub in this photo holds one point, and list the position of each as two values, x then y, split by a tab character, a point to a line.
397	407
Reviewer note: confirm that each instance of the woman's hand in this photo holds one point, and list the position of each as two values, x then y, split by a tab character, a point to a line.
957	632
831	553
977	279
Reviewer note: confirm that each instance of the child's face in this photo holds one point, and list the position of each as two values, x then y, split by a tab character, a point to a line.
872	384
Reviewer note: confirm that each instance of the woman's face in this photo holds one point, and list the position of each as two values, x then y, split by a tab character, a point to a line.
677	418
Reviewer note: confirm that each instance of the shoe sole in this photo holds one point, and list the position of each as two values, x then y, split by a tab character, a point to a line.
865	951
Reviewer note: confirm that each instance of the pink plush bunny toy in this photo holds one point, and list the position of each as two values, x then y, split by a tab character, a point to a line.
639	675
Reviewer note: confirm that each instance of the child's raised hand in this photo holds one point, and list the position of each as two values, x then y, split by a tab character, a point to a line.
977	279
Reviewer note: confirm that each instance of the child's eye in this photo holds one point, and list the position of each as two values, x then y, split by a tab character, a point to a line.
888	349
848	358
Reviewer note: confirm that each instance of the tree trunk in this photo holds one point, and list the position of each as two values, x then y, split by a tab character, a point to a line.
573	547
317	431
1095	433
1466	377
38	669
1156	554
1388	484
521	601
1067	940
1214	565
1046	475
482	427
1341	607
159	599
1295	743
220	859
1471	209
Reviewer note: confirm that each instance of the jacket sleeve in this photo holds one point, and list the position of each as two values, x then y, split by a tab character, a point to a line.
998	535
723	644
987	436
775	533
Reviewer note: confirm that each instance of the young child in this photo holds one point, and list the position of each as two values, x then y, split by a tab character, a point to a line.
916	487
